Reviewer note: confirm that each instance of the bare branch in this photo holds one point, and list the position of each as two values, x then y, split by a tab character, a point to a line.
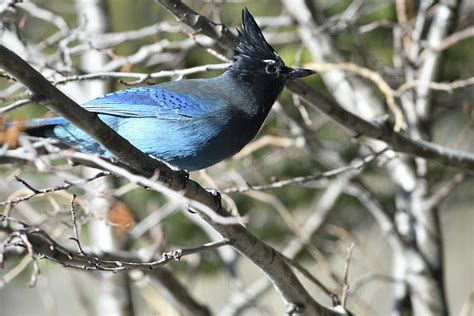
142	77
375	78
399	141
345	288
443	193
50	190
15	105
454	38
74	225
333	296
105	40
297	244
38	241
442	86
358	165
200	24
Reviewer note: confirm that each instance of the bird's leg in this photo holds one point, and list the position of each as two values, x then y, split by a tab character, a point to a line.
183	176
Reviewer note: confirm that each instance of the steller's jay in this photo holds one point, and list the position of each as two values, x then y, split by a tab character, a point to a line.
191	123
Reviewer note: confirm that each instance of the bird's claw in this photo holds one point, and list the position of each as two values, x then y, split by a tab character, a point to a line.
184	173
216	194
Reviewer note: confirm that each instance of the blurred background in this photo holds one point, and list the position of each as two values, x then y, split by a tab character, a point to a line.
315	222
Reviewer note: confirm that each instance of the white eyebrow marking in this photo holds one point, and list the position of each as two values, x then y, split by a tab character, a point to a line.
269	61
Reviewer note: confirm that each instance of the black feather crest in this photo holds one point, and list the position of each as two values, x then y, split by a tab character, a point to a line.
252	45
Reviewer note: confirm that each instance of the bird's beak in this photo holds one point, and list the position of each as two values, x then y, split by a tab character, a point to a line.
301	72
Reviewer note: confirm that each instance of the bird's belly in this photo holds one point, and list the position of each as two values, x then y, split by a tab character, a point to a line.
200	146
211	148
194	145
207	152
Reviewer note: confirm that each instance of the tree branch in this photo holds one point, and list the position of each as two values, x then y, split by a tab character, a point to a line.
43	244
399	141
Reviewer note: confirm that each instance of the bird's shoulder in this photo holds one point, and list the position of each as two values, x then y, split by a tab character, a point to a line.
171	100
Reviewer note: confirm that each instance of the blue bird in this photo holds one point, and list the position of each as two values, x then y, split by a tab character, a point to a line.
193	123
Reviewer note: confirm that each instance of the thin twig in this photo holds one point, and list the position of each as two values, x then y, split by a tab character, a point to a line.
26	184
454	39
365	279
333	296
15	105
345	287
305	179
373	76
51	190
142	77
74	225
442	86
34	274
399	141
442	193
152	184
15	271
53	251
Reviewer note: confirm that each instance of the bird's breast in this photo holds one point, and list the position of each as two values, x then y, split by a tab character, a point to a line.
212	140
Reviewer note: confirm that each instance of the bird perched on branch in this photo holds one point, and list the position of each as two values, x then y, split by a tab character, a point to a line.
191	123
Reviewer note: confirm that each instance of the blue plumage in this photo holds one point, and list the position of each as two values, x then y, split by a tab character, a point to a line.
191	123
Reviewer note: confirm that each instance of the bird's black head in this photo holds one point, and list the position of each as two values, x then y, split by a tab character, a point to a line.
255	60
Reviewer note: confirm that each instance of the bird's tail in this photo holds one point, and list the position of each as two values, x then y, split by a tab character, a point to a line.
42	127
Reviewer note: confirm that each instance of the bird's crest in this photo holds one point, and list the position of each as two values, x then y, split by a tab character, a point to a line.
252	45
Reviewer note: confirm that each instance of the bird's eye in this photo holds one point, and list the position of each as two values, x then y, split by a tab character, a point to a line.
270	69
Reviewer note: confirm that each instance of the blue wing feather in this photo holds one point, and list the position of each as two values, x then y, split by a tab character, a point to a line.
149	102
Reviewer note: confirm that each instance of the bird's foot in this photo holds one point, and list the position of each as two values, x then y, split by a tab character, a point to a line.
217	196
183	173
183	176
215	193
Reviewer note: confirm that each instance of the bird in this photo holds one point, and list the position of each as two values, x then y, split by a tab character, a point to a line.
189	123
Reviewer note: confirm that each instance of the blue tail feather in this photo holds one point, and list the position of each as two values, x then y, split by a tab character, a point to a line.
44	122
42	127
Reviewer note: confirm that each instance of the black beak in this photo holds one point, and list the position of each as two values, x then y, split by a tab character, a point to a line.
300	72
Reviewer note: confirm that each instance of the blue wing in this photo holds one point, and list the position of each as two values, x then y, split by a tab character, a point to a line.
149	102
